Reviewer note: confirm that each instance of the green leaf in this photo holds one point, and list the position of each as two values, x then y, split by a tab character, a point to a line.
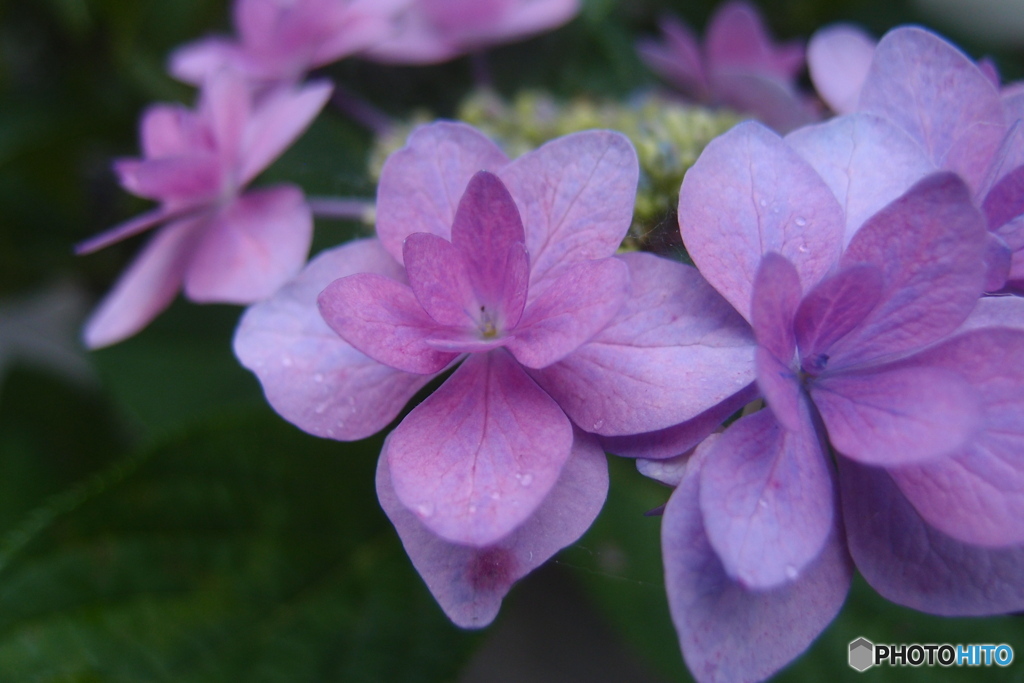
246	551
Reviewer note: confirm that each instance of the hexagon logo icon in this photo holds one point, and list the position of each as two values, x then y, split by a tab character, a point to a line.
862	654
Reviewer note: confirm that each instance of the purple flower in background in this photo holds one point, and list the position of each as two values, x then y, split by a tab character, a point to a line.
950	115
838	59
431	31
222	244
858	356
504	271
281	40
739	67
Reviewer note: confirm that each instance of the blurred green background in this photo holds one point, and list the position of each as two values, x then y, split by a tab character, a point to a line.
159	522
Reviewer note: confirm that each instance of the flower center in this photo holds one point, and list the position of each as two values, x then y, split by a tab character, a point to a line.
488	330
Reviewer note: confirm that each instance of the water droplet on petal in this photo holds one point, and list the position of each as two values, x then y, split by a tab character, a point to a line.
318	378
320	409
526	479
287	361
495	495
791	572
425	509
472	509
763	203
801	221
598	424
763	503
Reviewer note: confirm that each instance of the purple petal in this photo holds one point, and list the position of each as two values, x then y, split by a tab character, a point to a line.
251	248
928	245
571	307
674	350
774	101
996	311
488	233
977	495
832	309
146	288
311	376
1002	206
421	184
897	415
575	195
278	120
774	303
750	194
998	263
477	457
866	161
913	564
780	387
838	58
730	633
382	318
438	278
1006	199
225	105
168	130
766	498
671	441
736	36
937	94
678	59
193	62
469	582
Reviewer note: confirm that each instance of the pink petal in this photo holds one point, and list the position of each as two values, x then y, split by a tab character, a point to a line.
122	231
915	565
898	415
838	58
671	441
928	245
832	309
774	101
520	19
749	194
417	41
573	305
674	350
422	183
488	232
866	161
382	318
736	36
977	495
470	582
477	457
937	94
311	376
766	499
181	182
438	278
146	288
193	62
575	195
726	631
251	248
168	131
225	105
276	122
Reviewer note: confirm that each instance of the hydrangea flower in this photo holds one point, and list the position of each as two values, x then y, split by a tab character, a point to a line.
950	115
739	67
858	356
221	243
281	40
432	31
505	272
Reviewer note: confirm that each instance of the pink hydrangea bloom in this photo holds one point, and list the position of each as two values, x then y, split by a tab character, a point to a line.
739	66
222	244
431	31
506	272
954	117
861	353
281	40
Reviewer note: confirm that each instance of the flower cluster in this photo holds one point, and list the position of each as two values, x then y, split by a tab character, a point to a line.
854	297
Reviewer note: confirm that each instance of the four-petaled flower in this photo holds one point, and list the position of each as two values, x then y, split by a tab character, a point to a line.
507	270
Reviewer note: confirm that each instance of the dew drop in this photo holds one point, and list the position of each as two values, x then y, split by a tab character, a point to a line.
425	509
801	221
330	432
318	378
763	203
530	558
598	424
791	572
320	409
472	509
763	503
287	361
526	479
495	495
